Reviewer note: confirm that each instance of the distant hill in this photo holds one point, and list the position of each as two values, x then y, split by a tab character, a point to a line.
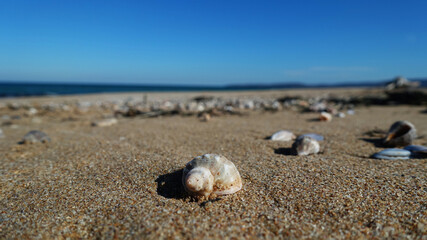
423	83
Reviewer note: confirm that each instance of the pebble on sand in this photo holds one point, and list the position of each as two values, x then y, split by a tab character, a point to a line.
35	136
105	122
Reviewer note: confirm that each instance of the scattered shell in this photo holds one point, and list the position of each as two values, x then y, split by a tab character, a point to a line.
32	111
35	136
401	133
211	173
416	149
36	120
105	122
324	116
205	117
305	146
283	135
341	115
315	136
350	112
392	154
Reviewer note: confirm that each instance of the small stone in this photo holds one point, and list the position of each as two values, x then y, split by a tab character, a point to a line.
105	122
36	136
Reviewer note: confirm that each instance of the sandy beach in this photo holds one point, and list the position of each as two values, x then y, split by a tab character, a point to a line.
124	181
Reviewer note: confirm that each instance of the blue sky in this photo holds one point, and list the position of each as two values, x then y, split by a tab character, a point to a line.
212	42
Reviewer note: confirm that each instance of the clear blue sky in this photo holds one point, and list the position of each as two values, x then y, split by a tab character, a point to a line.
212	42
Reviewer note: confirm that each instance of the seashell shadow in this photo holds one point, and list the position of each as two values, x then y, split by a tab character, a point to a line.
284	151
313	120
378	142
169	185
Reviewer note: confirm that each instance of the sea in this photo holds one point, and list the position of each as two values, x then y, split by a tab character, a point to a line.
26	89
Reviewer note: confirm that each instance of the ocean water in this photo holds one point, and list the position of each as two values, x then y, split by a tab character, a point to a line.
11	89
51	89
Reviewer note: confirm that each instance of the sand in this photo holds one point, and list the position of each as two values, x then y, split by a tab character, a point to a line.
124	181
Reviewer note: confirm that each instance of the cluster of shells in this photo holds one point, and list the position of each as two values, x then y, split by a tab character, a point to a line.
205	107
401	134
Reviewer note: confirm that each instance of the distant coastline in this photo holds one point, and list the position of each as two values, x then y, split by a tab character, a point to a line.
27	89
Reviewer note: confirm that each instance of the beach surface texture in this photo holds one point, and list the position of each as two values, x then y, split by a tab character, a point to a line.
123	180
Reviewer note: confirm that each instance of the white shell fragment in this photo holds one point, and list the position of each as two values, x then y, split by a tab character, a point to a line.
105	122
211	173
305	146
401	133
324	116
392	154
340	115
283	135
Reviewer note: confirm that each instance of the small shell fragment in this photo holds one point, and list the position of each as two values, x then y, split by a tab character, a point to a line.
392	154
401	133
36	136
305	146
324	116
205	117
105	122
211	173
283	135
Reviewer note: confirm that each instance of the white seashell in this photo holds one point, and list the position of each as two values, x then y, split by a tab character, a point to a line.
305	146
392	154
105	122
283	135
401	133
211	173
324	116
341	115
350	112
